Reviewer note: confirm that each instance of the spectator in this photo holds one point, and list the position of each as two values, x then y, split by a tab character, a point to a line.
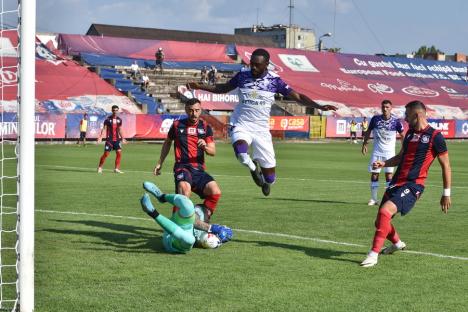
135	69
83	129
159	55
144	82
204	75
212	75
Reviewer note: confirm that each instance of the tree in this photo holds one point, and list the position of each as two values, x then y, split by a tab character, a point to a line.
424	50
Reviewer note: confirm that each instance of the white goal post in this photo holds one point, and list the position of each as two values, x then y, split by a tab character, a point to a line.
17	74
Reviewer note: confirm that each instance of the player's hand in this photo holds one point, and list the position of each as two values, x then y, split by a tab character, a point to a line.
445	203
378	164
364	149
328	107
201	144
157	170
193	85
124	141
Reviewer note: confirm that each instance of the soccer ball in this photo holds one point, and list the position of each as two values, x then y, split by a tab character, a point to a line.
209	240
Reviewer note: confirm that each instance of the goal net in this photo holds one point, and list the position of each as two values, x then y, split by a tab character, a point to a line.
17	108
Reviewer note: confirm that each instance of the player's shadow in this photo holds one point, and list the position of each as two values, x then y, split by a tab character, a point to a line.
330	254
321	201
70	169
113	236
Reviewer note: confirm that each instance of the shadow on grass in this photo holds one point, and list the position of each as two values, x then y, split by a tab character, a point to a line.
310	251
71	169
322	201
113	236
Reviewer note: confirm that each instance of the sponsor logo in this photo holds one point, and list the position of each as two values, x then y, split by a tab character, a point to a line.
415	138
342	86
379	88
405	192
192	131
465	128
341	127
443	126
7	77
201	131
180	176
165	125
298	63
449	90
417	91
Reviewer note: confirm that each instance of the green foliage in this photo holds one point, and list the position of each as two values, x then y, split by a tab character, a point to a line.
97	251
424	50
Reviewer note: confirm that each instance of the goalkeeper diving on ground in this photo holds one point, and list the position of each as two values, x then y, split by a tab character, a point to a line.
179	233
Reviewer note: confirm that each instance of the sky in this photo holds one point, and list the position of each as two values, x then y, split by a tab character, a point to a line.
357	26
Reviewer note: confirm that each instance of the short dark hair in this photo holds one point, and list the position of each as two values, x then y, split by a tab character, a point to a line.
387	102
262	52
192	101
115	107
415	104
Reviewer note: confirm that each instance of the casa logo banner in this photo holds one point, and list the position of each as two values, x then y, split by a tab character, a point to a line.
289	123
297	63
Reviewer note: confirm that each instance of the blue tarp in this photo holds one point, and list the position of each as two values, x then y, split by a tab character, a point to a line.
108	60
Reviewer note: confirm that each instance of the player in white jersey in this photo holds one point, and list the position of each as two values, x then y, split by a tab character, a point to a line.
384	129
249	125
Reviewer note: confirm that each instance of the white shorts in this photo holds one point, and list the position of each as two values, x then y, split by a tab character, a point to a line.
382	158
262	145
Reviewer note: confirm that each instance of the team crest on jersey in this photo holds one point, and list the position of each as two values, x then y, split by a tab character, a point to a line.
201	131
192	131
425	139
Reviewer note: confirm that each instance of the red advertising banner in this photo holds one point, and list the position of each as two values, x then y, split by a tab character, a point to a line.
289	123
153	126
447	127
48	126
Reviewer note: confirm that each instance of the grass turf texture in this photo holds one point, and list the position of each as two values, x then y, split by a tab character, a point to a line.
91	262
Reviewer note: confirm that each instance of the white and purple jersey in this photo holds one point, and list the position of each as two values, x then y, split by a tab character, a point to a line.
384	132
256	96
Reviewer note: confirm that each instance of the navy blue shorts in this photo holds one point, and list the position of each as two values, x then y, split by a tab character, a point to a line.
112	145
82	135
197	179
403	196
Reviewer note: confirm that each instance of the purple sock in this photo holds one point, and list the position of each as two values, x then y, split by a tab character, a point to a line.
241	148
270	178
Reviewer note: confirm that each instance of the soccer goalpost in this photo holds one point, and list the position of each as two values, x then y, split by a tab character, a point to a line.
17	155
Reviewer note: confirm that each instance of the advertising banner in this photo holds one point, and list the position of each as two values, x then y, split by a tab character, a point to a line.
289	123
154	126
462	129
212	101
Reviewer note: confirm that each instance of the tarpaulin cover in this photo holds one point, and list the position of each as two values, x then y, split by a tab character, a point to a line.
357	84
61	85
143	48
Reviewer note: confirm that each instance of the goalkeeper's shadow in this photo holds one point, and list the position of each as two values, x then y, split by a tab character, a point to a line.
116	236
330	254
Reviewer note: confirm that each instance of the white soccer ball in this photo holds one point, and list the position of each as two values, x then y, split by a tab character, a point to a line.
209	241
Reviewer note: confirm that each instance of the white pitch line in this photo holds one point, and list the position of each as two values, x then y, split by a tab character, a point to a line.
235	176
318	240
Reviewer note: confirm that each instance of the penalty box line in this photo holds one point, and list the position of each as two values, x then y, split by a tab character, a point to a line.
86	169
288	236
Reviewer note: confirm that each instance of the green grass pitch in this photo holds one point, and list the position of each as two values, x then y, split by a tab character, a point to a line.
296	250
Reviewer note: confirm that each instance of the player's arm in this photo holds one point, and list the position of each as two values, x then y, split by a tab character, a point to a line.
217	88
306	101
166	147
119	131
208	148
364	141
99	139
445	200
392	162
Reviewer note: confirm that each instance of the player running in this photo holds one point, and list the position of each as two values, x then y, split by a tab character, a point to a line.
421	145
114	138
179	235
249	125
383	128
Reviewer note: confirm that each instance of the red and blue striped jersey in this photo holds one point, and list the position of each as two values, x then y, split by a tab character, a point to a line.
112	124
186	136
420	148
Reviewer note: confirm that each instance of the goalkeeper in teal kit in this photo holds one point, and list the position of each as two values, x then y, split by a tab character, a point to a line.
178	236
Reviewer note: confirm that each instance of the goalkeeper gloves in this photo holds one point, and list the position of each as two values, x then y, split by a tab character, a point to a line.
223	232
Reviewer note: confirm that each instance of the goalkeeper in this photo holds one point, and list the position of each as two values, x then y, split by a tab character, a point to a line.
178	236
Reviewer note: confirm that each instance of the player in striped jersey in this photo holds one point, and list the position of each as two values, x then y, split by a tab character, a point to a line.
193	138
114	139
421	145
